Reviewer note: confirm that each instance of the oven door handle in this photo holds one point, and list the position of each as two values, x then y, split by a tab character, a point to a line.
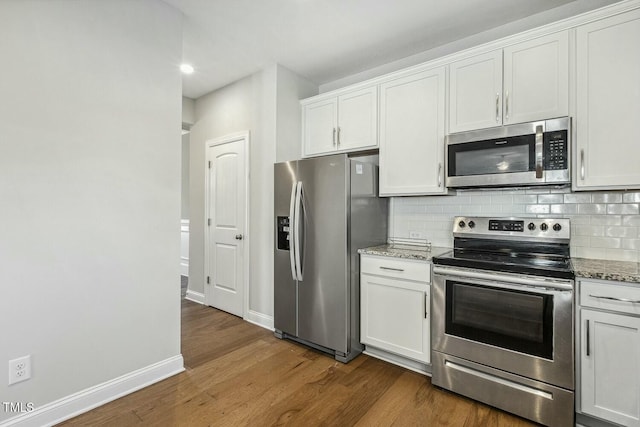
561	285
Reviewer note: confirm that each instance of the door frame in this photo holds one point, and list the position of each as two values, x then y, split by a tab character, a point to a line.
244	137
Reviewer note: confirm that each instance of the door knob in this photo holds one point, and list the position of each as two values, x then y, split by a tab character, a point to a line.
238	236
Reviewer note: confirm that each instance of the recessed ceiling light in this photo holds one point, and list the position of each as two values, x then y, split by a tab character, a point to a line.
186	68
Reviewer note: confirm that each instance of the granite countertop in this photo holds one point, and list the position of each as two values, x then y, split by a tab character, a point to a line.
404	251
622	271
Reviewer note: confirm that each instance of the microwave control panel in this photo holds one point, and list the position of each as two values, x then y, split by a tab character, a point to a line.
555	150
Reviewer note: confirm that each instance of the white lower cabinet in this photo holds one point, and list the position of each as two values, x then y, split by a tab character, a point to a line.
395	307
610	352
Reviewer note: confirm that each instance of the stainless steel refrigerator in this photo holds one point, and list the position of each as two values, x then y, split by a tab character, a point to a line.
326	208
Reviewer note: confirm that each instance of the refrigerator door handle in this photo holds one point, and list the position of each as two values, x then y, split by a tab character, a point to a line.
292	235
297	240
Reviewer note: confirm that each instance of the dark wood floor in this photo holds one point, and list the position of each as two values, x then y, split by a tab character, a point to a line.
239	374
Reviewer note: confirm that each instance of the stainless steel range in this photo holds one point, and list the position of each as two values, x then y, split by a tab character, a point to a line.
503	316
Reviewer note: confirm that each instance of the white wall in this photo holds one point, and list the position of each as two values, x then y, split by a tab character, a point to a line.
188	111
184	190
90	112
249	104
552	15
291	89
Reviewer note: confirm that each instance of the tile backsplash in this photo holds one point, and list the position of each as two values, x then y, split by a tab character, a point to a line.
604	225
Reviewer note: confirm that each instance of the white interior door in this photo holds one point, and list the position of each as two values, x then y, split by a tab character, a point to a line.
227	254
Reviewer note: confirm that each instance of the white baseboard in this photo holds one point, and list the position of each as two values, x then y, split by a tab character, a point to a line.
259	319
195	296
412	365
184	267
92	397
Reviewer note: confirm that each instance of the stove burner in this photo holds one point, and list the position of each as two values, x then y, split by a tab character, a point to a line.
511	248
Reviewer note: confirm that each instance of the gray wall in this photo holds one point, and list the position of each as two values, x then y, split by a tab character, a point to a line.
184	193
90	189
249	104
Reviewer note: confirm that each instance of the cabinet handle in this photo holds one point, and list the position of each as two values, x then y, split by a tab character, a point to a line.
334	137
582	164
426	296
338	136
497	108
631	301
391	268
506	105
588	344
439	174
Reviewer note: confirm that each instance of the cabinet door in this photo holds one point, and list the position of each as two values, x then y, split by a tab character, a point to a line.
608	104
412	134
358	119
610	366
395	316
319	127
475	92
536	79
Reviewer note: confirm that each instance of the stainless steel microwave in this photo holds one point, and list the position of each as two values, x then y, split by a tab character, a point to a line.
525	154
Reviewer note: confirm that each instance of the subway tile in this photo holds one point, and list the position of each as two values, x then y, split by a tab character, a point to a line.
597	253
433	209
580	241
537	191
606	220
579	219
620	255
537	209
525	198
631	220
512	209
454	209
550	198
480	200
631	244
577	198
615	231
562	190
606	198
605	242
588	230
501	199
564	209
624	209
631	197
592	208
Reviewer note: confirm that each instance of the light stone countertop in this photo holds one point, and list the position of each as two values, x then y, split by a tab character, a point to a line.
404	251
621	271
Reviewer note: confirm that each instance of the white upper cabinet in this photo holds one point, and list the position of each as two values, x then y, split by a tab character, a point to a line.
340	123
524	82
475	92
319	123
412	134
536	79
608	104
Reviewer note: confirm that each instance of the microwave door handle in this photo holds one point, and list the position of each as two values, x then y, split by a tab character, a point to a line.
539	147
292	233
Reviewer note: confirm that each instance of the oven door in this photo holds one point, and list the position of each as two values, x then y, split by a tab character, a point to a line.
516	323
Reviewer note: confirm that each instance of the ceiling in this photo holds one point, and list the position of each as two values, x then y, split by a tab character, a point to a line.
325	40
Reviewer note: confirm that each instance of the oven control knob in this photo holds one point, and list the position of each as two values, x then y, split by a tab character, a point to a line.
557	227
461	224
531	226
472	224
544	226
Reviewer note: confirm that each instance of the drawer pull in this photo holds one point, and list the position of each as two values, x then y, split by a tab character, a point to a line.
391	268
631	301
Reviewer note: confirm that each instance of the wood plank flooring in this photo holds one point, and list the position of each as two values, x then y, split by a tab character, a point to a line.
238	374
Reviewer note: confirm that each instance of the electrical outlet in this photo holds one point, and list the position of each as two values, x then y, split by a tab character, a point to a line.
415	235
19	369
